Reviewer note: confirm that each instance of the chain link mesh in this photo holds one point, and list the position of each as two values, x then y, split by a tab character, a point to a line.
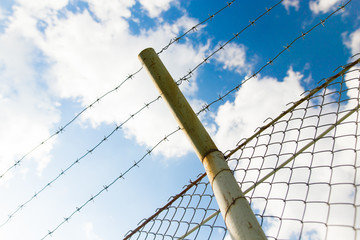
300	174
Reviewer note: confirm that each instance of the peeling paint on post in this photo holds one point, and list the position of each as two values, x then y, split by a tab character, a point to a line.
235	209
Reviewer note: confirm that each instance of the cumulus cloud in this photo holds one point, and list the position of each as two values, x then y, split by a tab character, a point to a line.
156	7
291	3
322	6
28	111
352	41
89	232
256	100
233	57
111	9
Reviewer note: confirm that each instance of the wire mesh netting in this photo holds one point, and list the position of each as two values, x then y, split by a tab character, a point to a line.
300	174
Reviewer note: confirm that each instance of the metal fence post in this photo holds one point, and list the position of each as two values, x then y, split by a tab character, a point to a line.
235	209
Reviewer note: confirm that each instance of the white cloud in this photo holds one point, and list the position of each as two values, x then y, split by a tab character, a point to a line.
41	9
89	232
353	41
322	6
256	100
291	3
2	14
105	60
233	57
27	109
155	7
111	9
87	57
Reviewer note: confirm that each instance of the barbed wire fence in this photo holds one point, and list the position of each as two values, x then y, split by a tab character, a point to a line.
300	174
205	108
119	126
202	190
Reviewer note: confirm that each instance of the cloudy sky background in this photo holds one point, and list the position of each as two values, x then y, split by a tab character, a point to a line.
57	57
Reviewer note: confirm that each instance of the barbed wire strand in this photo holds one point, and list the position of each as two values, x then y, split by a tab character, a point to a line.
61	129
236	35
261	129
78	160
106	187
287	47
194	28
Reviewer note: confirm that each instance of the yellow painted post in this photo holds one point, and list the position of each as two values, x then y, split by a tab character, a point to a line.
235	209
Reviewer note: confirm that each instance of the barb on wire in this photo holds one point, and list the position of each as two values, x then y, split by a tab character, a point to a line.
106	187
287	47
62	173
62	129
252	23
194	28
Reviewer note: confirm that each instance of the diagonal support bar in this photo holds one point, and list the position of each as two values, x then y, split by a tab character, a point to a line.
235	209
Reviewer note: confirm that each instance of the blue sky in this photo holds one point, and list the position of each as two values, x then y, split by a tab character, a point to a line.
57	57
